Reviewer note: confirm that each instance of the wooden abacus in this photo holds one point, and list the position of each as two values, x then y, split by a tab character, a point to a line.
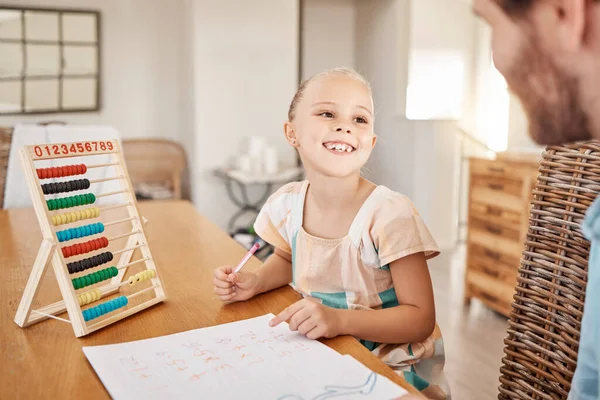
50	218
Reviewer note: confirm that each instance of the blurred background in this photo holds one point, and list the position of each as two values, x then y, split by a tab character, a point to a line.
210	83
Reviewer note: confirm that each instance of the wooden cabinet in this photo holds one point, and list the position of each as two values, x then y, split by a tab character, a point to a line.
500	194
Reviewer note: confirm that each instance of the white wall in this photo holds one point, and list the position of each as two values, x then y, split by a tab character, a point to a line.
382	56
245	57
328	35
437	143
142	42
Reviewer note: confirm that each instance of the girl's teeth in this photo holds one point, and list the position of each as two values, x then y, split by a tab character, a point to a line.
339	147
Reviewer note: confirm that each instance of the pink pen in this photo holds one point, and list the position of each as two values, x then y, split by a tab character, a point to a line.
246	258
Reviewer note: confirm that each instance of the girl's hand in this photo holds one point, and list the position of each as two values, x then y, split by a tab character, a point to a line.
312	319
234	287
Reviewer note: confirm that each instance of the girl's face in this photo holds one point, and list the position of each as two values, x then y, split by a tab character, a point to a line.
333	126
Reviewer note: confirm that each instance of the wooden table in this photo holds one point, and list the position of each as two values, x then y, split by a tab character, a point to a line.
46	361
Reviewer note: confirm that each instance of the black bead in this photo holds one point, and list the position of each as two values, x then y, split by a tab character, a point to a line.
110	256
87	183
68	186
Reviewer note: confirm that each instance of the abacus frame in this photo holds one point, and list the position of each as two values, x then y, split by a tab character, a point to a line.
49	251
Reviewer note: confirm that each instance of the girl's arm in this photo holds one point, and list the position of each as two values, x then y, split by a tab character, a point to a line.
275	272
412	321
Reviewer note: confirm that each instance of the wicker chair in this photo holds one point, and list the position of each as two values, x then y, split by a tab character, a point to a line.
5	140
545	321
156	162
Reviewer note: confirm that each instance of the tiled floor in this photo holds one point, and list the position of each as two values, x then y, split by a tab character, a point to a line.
473	335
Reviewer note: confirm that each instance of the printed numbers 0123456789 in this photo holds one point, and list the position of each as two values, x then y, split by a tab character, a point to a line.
74	148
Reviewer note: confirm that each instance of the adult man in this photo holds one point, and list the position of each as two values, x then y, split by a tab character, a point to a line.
549	53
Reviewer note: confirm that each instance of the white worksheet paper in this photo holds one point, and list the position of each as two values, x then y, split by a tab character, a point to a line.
241	360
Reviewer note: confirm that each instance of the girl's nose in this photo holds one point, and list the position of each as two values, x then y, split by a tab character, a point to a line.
339	129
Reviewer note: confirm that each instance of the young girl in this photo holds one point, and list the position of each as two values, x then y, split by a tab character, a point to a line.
356	251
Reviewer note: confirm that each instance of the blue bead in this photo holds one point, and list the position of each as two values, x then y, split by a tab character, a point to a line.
100	227
85	315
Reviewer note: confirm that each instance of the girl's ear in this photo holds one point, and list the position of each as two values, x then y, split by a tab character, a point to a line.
374	140
290	134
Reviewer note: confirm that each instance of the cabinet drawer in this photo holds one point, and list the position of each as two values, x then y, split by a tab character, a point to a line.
491	196
493	257
500	301
496	215
496	168
501	274
494	237
498	184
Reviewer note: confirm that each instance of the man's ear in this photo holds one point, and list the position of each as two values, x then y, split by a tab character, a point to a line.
290	134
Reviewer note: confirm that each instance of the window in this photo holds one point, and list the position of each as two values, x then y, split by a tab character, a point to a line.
436	85
49	60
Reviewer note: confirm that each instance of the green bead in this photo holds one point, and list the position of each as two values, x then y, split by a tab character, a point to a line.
102	274
88	280
49	204
115	271
92	198
64	203
75	283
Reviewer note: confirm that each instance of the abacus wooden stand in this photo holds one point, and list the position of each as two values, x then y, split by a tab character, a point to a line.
50	251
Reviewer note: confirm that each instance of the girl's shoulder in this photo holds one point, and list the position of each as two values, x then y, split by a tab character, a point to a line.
386	203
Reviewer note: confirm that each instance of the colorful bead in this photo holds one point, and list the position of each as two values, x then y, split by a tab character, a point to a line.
105	308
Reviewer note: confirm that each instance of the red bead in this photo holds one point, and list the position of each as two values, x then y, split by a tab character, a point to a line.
65	171
54	172
89	247
64	251
105	241
67	252
83	168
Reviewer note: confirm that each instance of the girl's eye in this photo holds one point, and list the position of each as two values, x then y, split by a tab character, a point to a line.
326	114
361	120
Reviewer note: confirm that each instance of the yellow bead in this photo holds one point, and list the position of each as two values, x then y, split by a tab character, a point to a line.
54	220
96	212
63	219
152	273
97	294
80	300
89	213
89	297
132	280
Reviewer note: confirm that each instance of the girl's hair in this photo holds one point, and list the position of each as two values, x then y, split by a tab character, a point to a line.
335	71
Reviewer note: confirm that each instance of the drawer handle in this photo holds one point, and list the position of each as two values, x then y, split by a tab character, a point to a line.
496	169
494	211
492	254
496	186
493	229
491	273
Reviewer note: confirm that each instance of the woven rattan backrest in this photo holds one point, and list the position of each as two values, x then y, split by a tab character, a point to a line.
544	326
